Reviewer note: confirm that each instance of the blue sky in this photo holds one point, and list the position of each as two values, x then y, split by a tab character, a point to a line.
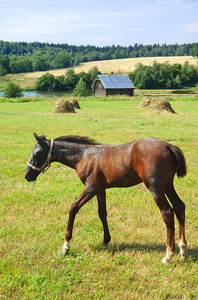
99	23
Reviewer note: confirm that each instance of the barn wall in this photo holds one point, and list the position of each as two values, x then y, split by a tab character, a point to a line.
128	92
111	92
99	90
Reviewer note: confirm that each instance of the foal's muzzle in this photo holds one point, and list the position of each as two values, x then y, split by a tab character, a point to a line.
28	178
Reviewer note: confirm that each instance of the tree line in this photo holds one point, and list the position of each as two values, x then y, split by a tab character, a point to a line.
164	76
21	57
80	84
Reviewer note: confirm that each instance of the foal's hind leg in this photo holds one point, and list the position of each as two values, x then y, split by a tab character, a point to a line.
179	209
102	211
168	217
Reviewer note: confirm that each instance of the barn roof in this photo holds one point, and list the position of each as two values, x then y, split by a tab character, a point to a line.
115	81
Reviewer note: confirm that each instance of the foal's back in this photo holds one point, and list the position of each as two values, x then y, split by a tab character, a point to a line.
125	165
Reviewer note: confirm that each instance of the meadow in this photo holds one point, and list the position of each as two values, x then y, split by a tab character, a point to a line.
34	215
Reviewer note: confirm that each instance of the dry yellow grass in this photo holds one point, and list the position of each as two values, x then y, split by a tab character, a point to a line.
122	66
63	106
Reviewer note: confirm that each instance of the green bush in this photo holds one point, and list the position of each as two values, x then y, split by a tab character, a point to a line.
13	90
81	88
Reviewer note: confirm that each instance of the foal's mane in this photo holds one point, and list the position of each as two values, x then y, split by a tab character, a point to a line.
77	140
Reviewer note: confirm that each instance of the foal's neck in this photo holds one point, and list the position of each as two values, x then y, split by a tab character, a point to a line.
68	154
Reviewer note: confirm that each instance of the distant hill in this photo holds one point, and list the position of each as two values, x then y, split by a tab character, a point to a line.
27	57
118	66
124	66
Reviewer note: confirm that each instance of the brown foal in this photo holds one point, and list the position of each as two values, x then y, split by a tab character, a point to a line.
102	166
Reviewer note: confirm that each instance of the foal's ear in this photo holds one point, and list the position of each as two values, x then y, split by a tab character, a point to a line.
39	140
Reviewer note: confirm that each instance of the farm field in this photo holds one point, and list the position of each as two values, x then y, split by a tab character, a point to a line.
122	66
34	215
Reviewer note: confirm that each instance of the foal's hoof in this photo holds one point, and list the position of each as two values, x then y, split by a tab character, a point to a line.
106	240
65	252
168	257
183	257
183	251
165	260
66	248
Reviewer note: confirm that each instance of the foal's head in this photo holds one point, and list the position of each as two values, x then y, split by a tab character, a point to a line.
39	159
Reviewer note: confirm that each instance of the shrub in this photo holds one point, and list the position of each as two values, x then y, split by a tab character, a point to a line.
13	91
45	82
81	88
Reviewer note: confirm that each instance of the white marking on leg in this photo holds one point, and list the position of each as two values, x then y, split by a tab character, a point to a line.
183	251
66	247
169	255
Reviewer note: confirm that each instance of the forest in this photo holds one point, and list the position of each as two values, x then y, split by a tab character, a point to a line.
21	57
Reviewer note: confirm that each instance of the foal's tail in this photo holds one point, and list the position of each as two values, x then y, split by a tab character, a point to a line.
180	159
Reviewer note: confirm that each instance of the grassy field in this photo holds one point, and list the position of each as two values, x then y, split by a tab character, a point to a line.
121	66
33	215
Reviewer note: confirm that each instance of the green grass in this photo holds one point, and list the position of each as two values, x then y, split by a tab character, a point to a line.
33	215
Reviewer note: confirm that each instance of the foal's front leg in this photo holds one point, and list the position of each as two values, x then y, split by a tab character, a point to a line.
86	195
102	211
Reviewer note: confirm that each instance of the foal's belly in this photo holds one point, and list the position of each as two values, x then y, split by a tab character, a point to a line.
121	178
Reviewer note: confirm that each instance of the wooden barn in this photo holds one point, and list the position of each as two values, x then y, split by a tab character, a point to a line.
107	85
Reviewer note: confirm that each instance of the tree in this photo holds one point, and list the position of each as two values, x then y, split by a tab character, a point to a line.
12	91
178	81
69	72
45	82
194	51
40	63
76	61
62	60
71	79
4	64
93	72
20	65
59	83
81	88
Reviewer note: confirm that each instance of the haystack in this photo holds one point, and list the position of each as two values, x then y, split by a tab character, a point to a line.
74	102
63	106
160	105
145	102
